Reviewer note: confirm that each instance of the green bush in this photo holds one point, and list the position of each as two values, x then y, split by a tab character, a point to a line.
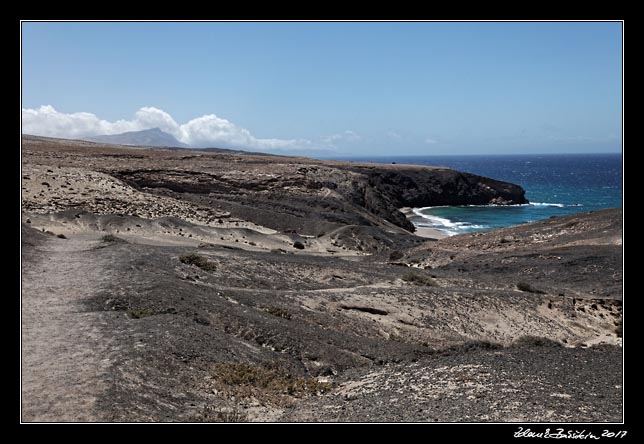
536	341
109	238
524	286
279	312
198	261
221	414
269	379
418	279
139	313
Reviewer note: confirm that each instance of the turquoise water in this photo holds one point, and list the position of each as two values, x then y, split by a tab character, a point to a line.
555	185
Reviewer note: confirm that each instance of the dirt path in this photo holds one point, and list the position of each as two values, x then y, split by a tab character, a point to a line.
64	355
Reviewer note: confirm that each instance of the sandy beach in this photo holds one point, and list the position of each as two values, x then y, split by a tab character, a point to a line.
429	233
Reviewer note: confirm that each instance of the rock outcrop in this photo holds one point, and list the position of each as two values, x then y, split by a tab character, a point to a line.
399	186
284	193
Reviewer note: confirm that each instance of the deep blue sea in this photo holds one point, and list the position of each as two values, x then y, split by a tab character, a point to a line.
555	184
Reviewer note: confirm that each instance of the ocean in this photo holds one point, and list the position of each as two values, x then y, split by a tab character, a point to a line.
555	184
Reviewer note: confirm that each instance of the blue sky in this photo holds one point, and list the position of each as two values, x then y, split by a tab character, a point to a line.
347	88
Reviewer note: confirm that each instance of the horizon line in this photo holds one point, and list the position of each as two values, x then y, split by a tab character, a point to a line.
284	152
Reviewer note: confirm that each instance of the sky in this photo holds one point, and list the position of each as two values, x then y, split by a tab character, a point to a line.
334	88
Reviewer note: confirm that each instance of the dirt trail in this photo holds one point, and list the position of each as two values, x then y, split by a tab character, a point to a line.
64	355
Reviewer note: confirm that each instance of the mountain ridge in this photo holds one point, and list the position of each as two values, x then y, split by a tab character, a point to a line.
148	137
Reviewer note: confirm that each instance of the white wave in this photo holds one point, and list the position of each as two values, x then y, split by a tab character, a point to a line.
451	227
548	204
436	219
443	224
531	204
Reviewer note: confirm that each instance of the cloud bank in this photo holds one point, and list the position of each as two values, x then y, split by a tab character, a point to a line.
345	136
204	131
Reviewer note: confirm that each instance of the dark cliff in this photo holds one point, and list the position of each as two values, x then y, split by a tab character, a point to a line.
411	186
313	196
287	193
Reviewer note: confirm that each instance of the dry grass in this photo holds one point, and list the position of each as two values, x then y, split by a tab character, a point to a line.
198	261
220	414
279	312
523	286
109	238
139	313
419	279
271	381
536	341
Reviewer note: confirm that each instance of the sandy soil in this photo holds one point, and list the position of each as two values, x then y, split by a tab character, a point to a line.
65	353
376	323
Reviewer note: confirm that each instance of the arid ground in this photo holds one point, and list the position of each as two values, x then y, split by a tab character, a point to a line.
178	285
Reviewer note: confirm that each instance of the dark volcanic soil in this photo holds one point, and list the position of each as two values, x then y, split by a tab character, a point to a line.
167	285
505	385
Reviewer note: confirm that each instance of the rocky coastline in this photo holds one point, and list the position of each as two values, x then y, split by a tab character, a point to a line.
167	285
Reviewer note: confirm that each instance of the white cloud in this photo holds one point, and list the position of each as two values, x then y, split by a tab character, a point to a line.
345	136
46	121
150	117
394	134
430	141
208	130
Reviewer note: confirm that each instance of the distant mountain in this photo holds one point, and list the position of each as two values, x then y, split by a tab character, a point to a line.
149	137
154	137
